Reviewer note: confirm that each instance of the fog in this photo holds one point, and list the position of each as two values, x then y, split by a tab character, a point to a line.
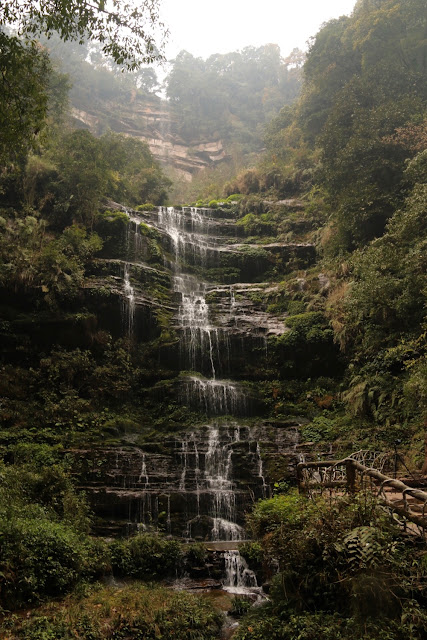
204	28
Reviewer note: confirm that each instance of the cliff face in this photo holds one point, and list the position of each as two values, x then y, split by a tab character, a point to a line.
183	281
171	376
152	122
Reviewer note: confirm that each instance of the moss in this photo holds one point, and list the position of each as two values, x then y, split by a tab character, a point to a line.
234	197
116	218
148	232
156	254
148	206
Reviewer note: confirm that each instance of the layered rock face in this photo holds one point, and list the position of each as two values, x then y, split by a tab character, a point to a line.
197	485
152	122
212	336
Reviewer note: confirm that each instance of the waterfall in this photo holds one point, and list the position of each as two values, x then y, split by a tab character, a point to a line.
219	480
129	303
238	576
201	350
143	476
211	500
199	337
214	397
261	471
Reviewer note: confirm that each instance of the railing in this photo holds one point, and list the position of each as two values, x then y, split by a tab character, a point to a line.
349	475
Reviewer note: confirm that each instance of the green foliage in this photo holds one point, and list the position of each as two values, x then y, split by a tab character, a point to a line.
380	319
232	94
126	33
320	429
269	514
146	557
115	166
44	548
195	554
239	606
370	90
77	171
35	262
343	573
133	174
234	197
307	349
39	558
148	206
24	81
133	611
256	225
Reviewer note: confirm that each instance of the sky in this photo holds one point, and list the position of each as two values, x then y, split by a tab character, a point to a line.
220	26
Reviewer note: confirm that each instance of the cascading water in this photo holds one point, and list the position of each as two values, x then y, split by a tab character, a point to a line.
199	337
203	346
206	480
201	350
214	397
238	577
129	302
219	479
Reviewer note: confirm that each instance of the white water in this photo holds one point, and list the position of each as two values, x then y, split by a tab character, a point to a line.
198	335
204	349
238	577
215	397
143	476
261	471
129	305
219	480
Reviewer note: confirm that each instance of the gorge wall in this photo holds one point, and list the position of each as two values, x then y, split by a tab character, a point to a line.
185	284
151	121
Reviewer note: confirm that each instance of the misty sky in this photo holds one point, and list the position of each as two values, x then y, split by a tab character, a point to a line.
218	26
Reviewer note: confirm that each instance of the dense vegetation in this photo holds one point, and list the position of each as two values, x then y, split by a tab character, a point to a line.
134	611
353	148
232	96
350	153
343	572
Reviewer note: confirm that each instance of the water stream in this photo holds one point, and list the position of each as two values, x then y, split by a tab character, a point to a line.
206	482
129	303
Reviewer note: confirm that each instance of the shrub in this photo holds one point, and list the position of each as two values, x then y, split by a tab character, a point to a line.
239	606
234	197
196	554
148	206
146	556
39	558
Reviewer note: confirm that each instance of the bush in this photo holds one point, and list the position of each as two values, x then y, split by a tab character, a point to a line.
290	509
196	554
148	206
239	606
234	197
146	556
39	558
342	560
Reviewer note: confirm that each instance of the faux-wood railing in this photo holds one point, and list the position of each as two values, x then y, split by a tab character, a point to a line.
350	475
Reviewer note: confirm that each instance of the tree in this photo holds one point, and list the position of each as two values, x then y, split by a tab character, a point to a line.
124	29
24	82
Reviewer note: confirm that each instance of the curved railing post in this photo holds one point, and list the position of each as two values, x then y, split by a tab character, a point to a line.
350	475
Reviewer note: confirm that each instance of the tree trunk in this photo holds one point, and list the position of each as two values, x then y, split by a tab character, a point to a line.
424	469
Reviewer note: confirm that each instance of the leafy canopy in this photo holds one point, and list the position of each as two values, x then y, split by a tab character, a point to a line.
125	29
24	83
